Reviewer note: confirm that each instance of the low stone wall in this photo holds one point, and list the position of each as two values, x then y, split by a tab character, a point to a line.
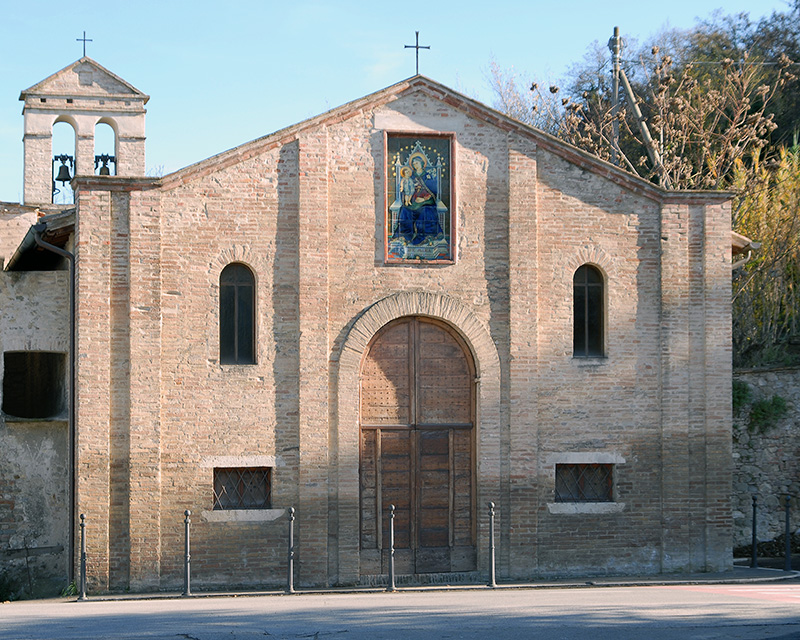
766	456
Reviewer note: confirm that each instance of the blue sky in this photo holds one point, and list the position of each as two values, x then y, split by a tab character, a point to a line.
220	74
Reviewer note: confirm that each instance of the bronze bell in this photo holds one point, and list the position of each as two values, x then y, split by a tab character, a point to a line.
63	174
105	171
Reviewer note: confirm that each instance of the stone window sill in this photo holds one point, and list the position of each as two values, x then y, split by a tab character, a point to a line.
243	515
590	361
585	508
15	419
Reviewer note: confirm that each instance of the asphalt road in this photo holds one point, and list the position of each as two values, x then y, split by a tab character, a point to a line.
704	612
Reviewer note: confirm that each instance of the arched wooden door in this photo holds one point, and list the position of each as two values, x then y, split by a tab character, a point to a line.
417	449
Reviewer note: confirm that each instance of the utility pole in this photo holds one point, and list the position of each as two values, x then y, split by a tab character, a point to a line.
615	44
655	157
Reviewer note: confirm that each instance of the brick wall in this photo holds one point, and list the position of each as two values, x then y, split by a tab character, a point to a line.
304	210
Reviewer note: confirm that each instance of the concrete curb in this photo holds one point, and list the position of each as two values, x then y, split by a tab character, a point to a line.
737	576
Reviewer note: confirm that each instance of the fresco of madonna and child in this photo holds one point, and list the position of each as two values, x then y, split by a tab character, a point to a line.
418	223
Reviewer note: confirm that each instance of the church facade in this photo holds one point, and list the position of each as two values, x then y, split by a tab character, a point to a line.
409	301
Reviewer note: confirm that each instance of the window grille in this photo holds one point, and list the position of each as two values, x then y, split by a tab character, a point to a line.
584	482
243	488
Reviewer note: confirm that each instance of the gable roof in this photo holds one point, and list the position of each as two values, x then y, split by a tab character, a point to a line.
67	82
457	101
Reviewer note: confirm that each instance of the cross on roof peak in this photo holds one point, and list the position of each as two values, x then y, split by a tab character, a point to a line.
416	46
84	40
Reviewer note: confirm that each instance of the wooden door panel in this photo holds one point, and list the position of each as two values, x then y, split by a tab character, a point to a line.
444	391
404	560
434	482
394	463
430	537
434	444
463	499
395	445
417	379
432	560
464	558
435	493
385	381
368	481
402	528
439	409
397	483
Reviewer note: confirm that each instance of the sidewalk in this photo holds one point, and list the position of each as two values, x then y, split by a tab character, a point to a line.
739	575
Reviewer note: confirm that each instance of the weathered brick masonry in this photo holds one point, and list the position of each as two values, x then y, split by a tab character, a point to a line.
304	210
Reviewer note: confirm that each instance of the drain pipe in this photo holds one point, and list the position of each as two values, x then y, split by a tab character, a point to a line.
38	230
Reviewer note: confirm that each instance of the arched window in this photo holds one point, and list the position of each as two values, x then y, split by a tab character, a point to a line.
237	315
589	312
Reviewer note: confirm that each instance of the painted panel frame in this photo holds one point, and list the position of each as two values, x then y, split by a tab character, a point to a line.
419	223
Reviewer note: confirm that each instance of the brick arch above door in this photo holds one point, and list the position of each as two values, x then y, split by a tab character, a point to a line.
345	418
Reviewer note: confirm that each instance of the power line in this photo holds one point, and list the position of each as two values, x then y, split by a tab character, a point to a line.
694	62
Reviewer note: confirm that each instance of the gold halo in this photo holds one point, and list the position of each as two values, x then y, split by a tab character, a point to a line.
419	155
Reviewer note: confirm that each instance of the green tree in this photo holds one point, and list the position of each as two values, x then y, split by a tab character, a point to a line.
720	102
708	97
766	291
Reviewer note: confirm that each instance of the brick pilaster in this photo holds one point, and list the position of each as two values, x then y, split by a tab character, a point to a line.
523	369
313	364
675	361
145	391
93	296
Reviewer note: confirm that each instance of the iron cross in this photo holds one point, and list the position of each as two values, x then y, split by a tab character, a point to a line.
84	40
417	47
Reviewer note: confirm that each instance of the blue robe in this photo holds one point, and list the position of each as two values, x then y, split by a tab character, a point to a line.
419	220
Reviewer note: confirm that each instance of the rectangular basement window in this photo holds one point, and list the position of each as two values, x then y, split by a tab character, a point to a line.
34	384
584	482
242	488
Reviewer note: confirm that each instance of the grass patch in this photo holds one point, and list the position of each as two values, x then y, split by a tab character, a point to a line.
764	414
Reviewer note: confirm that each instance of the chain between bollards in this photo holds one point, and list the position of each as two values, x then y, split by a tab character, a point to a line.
391	586
82	594
187	558
754	560
290	569
492	576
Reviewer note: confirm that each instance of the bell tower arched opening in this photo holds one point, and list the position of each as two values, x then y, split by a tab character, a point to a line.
105	148
64	148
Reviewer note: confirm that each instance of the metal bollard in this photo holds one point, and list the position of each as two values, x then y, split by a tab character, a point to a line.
391	586
187	558
787	562
492	581
82	594
754	561
290	570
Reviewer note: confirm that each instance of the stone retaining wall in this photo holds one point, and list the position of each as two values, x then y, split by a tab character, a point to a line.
766	463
